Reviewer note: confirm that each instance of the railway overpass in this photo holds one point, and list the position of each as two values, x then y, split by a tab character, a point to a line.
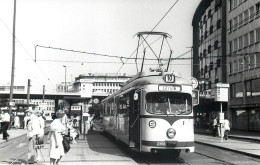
70	97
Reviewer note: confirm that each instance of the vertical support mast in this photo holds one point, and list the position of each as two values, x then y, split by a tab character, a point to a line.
13	61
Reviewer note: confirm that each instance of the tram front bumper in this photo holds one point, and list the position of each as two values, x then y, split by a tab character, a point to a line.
149	146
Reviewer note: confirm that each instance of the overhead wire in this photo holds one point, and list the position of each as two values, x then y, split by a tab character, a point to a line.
26	51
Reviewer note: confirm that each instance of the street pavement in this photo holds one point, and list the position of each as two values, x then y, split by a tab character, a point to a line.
98	149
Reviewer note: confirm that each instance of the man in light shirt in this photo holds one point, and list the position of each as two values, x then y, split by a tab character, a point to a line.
5	124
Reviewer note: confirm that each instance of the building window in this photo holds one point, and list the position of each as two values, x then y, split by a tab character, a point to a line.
230	5
252	12
209	49
247	61
211	29
257	31
246	16
248	88
235	45
240	43
256	87
257	8
206	34
257	59
230	68
240	65
239	90
245	40
209	13
204	52
235	67
230	25
251	38
240	20
235	3
218	24
235	23
230	47
252	61
216	44
218	62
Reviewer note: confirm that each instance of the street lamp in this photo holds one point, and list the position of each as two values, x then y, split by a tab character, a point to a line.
65	77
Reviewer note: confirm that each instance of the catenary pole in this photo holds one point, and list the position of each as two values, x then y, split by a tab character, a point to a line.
13	63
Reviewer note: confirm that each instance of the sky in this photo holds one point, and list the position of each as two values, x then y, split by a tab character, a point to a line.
106	27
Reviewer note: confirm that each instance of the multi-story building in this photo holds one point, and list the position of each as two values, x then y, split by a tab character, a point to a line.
95	84
226	37
243	51
209	54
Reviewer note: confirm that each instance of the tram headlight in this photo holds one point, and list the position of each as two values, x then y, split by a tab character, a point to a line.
171	133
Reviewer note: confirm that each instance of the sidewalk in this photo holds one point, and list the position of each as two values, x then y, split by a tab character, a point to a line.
14	133
95	150
243	142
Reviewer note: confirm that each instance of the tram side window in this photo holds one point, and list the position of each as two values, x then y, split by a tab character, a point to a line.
123	104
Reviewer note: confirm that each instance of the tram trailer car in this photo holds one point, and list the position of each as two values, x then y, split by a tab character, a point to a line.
151	113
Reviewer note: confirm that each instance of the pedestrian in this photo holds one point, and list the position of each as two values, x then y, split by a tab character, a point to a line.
56	137
75	124
16	122
86	126
5	124
40	136
25	120
64	119
214	126
226	127
34	131
1	113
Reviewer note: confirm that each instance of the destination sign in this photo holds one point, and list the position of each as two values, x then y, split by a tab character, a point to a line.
170	88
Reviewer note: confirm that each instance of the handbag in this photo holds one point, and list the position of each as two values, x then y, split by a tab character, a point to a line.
66	144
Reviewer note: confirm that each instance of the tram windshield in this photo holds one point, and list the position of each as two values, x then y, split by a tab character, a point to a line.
168	103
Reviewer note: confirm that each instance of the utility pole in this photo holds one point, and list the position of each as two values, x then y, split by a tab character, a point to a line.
28	92
13	63
65	77
43	95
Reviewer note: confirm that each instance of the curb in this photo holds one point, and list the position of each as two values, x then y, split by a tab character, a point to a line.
241	152
232	137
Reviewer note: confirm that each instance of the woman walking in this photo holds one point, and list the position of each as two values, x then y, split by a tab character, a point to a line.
56	146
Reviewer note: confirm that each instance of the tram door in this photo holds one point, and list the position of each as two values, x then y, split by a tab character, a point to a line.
115	118
134	120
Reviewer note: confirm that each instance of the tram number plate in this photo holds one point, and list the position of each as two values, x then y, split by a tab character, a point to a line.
169	88
161	143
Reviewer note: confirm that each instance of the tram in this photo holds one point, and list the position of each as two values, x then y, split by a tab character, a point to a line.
152	112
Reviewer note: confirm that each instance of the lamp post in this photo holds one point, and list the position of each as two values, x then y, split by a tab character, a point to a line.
65	77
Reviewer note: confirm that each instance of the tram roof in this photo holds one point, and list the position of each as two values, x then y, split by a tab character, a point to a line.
145	78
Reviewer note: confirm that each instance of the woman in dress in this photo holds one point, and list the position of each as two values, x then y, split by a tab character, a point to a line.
56	146
16	122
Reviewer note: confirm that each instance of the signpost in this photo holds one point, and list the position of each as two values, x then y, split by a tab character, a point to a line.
221	95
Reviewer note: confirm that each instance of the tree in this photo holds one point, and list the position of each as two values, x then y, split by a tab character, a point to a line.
96	110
